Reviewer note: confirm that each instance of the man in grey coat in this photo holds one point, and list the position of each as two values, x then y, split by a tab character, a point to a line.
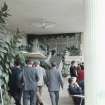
30	79
54	81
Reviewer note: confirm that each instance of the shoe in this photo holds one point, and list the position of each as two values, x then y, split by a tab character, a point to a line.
41	103
37	103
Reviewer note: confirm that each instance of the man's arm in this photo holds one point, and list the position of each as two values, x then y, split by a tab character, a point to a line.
36	76
21	78
44	76
61	79
47	78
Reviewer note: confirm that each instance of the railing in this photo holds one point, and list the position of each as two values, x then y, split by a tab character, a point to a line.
78	59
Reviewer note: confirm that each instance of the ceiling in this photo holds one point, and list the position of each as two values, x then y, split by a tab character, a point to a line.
46	16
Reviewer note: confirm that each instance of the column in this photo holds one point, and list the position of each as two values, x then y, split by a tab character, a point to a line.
94	52
82	47
35	47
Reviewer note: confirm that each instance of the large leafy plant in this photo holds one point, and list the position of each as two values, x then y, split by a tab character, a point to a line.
3	15
8	51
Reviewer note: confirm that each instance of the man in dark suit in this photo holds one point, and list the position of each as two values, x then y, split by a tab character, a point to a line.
15	83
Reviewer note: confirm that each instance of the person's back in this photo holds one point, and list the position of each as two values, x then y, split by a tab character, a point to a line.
29	78
15	77
55	79
41	73
81	74
72	71
15	82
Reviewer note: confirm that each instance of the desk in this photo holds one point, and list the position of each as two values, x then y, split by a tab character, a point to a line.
79	96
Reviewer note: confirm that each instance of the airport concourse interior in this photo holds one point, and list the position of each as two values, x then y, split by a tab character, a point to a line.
42	52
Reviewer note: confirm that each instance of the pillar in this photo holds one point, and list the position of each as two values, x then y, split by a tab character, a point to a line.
94	52
35	46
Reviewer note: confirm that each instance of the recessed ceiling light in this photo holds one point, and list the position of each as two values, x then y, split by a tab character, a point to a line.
42	23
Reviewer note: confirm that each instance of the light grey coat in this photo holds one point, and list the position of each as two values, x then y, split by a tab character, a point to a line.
54	79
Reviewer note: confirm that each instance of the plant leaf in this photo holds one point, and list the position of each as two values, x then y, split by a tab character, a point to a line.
5	7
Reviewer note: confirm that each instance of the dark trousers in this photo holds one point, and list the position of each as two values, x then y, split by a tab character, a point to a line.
29	97
77	101
17	94
54	95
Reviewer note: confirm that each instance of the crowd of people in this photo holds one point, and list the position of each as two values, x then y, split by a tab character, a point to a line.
28	82
76	81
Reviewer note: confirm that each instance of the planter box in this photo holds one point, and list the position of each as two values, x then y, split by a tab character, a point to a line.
34	55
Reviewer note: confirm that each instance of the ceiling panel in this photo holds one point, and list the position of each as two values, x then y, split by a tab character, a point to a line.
46	16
